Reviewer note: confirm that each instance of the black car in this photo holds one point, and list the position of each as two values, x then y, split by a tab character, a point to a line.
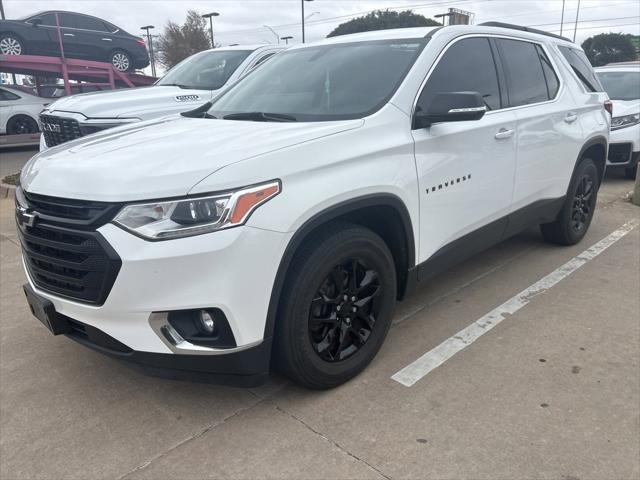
83	36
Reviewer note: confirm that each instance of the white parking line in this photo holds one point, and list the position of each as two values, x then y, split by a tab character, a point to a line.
413	372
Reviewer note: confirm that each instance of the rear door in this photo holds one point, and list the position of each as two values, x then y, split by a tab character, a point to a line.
7	102
93	39
465	169
549	136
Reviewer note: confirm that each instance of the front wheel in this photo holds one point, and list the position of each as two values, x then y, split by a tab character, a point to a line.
121	61
21	124
336	307
11	45
573	221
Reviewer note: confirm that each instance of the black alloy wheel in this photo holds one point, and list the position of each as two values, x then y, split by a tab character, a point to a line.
583	203
336	305
344	311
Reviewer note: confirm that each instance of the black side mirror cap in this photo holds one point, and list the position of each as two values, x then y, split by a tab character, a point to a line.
450	107
36	22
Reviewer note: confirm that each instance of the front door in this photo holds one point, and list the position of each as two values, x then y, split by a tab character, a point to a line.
466	169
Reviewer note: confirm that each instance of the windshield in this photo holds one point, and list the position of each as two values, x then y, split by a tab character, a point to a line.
327	82
206	70
621	85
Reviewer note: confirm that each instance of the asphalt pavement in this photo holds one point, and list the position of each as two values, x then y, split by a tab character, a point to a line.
551	390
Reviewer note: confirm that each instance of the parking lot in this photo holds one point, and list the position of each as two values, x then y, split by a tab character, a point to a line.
551	390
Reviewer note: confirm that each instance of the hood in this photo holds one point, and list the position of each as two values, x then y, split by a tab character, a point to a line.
625	107
160	158
144	102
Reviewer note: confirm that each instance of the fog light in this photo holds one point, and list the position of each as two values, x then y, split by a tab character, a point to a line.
207	323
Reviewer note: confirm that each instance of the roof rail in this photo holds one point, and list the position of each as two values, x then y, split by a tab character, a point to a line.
523	29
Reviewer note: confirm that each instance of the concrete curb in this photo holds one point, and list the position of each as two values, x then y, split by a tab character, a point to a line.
7	191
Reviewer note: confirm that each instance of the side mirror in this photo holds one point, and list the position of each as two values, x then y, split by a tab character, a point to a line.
36	22
451	107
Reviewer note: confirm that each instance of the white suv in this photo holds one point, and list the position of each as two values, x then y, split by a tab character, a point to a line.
284	222
192	82
622	84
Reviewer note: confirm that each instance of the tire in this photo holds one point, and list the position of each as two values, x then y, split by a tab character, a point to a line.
11	44
21	124
631	172
574	219
121	61
305	348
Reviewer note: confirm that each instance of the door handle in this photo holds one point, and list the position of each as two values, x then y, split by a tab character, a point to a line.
570	117
503	133
107	39
69	35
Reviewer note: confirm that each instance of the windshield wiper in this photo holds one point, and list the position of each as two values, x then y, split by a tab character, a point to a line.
187	87
200	112
261	117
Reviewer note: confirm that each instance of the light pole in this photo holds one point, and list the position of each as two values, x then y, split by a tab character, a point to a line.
575	28
150	43
302	4
286	39
210	17
274	32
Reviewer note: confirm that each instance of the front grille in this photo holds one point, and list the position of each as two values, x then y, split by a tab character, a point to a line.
620	152
57	130
61	258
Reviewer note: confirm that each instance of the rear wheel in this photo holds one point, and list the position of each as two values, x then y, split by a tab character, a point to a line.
11	45
336	307
21	124
574	219
121	61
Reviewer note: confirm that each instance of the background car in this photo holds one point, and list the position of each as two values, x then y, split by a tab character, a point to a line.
84	37
191	83
19	111
622	83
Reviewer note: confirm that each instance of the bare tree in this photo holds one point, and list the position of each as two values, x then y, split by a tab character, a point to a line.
181	41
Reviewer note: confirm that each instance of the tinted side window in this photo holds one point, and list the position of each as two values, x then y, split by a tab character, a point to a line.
48	19
467	66
524	72
66	20
582	68
89	23
264	59
4	95
553	84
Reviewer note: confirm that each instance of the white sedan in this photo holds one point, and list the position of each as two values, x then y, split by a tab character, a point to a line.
19	111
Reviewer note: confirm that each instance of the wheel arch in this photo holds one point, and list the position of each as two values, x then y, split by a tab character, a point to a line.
385	214
19	37
596	149
21	114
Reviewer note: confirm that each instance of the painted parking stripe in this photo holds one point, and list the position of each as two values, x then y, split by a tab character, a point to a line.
413	372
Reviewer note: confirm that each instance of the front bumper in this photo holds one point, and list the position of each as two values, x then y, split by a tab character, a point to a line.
624	147
232	270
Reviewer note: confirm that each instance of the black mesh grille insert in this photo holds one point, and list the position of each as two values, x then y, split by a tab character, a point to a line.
57	130
63	259
620	152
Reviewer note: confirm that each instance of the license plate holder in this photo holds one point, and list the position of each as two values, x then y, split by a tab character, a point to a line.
45	311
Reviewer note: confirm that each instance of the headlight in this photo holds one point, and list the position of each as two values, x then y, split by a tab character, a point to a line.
626	121
193	216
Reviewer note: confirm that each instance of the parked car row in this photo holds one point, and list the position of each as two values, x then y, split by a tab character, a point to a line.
194	81
280	222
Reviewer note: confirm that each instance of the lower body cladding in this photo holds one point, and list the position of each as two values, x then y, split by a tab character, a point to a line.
192	308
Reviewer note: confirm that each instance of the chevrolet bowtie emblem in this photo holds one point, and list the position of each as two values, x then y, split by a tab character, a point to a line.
24	216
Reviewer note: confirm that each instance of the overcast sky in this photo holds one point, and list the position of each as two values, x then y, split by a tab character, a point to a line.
242	21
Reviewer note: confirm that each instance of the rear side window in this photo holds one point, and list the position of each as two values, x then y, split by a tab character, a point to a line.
523	69
467	66
553	84
582	68
4	95
88	23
